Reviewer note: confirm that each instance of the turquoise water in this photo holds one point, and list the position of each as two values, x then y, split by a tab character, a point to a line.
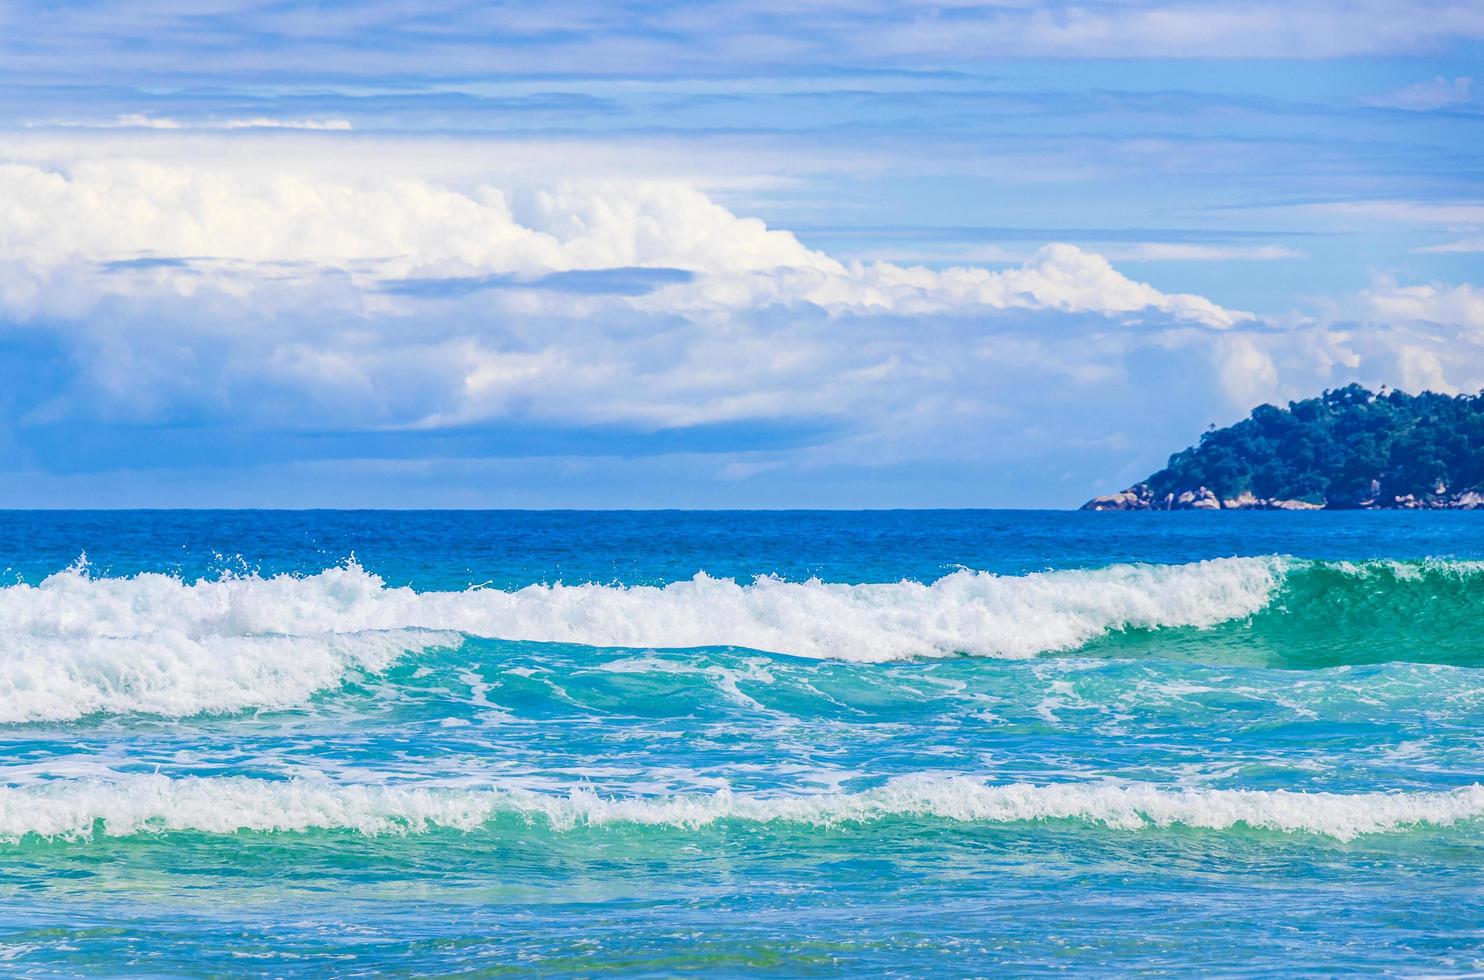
793	744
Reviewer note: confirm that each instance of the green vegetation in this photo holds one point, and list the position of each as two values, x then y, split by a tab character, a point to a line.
1344	448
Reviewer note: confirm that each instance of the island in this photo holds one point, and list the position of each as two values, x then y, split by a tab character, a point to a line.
1347	449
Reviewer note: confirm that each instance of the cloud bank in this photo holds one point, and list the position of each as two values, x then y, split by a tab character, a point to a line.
187	223
184	293
238	315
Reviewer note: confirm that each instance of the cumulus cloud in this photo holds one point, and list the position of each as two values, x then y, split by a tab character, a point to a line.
1377	343
1422	370
1248	373
1413	336
345	310
539	236
115	210
445	316
1459	305
177	222
1057	277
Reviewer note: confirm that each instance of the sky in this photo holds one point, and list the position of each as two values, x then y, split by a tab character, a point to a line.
844	253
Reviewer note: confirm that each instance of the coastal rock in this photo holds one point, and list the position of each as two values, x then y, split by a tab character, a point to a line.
1198	499
1140	497
1469	500
1293	505
1136	497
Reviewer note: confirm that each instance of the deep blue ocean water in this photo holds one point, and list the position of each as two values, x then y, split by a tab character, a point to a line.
908	743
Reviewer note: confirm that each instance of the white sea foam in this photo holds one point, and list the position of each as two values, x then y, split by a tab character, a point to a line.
169	673
1409	571
75	644
72	809
966	612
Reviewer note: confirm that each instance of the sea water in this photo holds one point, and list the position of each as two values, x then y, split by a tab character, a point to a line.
912	743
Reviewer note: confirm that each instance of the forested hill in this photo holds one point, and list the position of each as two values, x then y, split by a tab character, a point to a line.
1347	448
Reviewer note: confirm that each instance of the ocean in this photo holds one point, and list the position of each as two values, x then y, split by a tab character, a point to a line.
765	743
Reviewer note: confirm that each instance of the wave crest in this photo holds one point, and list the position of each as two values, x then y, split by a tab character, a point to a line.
171	674
75	644
76	809
966	612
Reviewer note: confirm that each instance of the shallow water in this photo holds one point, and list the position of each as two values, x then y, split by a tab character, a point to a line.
947	742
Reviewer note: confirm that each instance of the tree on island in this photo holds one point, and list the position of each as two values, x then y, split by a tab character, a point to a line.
1350	447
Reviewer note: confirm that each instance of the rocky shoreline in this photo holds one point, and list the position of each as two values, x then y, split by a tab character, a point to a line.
1140	497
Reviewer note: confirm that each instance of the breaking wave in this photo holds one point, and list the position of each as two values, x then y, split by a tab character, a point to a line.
965	612
75	644
172	674
1331	614
74	809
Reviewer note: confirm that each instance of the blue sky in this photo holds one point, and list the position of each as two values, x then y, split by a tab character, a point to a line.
845	253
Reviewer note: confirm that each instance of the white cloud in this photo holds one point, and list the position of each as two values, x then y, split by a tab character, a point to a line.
119	211
169	270
1192	252
116	210
291	297
141	121
1464	218
1112	250
1129	28
1248	373
276	298
1057	277
1459	305
1422	370
1473	244
1404	212
1438	93
713	36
